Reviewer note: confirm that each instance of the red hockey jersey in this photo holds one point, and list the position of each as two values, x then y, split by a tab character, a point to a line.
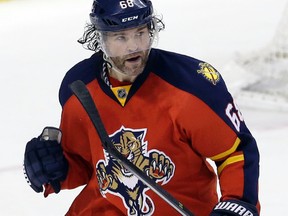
176	115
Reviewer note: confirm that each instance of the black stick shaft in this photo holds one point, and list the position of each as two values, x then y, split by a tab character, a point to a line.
81	92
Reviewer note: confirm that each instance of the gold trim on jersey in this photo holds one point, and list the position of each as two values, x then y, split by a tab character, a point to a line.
230	160
121	93
228	152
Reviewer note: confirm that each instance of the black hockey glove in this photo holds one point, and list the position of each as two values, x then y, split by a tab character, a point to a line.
44	161
234	208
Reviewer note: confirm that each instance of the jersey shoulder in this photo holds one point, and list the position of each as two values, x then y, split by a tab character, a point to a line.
85	71
187	73
195	77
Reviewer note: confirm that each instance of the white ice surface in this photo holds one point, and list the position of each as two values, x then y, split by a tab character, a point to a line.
38	45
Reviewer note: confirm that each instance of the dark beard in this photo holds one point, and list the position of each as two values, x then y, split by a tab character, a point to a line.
119	63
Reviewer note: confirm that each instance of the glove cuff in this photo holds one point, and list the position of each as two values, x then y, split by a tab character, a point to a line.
234	208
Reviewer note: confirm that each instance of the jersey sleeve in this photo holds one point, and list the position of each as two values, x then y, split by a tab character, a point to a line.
74	143
216	129
221	135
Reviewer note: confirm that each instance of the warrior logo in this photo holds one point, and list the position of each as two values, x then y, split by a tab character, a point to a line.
210	73
113	178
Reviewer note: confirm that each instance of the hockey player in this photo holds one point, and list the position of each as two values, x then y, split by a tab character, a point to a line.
165	112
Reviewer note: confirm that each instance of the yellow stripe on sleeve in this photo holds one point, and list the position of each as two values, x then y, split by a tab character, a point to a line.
230	160
228	152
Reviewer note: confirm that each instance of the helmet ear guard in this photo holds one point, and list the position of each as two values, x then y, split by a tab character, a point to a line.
115	15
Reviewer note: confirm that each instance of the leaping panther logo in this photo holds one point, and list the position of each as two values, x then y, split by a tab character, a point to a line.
113	178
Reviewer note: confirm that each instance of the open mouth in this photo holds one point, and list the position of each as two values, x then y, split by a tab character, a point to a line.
133	59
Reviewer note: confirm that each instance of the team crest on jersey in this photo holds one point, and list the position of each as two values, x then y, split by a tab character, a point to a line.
210	73
115	179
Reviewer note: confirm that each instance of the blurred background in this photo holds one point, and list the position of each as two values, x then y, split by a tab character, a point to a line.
246	40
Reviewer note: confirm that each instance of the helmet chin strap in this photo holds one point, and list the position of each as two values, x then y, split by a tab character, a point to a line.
116	73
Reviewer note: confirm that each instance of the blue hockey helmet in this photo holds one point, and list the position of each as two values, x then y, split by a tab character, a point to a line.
115	15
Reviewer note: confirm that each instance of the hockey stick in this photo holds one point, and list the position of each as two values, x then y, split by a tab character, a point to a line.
81	92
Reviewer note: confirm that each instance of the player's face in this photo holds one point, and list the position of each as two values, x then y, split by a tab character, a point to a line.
128	49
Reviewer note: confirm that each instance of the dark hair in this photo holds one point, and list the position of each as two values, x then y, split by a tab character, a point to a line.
90	37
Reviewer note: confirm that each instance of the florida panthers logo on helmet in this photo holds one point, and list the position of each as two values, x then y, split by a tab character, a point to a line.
115	179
